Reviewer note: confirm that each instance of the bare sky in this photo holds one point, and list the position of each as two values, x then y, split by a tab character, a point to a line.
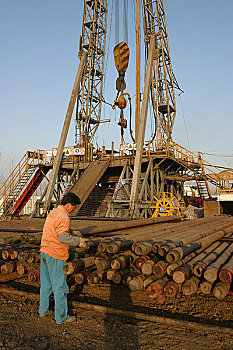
38	63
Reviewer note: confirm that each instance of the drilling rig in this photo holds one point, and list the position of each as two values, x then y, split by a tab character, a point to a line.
138	179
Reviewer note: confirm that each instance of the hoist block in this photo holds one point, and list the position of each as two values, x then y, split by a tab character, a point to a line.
121	56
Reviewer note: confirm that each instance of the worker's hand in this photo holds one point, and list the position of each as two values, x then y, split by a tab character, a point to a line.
75	233
84	243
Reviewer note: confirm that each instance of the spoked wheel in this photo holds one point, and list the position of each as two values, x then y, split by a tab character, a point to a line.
166	204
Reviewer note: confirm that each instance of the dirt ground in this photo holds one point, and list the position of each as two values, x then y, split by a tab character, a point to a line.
21	327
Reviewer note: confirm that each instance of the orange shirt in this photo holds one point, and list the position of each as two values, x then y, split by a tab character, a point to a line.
56	223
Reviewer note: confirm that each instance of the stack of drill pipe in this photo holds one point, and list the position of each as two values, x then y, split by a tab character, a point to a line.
212	270
25	236
144	243
194	235
8	267
181	232
25	268
137	257
9	254
101	229
179	253
150	234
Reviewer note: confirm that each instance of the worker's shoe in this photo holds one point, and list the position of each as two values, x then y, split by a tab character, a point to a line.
70	319
47	314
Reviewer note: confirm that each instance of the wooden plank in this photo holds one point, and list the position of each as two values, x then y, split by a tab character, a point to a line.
88	180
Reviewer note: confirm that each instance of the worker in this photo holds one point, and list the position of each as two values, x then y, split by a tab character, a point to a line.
55	242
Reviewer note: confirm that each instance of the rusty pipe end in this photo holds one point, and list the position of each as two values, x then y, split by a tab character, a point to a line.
173	256
206	287
115	264
171	289
117	278
112	248
198	269
68	269
164	249
102	247
211	274
226	275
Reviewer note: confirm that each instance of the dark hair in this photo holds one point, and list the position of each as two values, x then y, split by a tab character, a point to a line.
70	198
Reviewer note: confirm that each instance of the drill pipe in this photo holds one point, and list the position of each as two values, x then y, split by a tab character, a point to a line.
73	255
11	239
103	264
100	257
201	265
226	272
127	278
22	256
202	255
156	288
136	283
193	236
33	257
221	290
160	268
118	276
190	286
81	277
174	231
119	246
147	267
22	269
93	230
8	268
191	259
184	231
34	239
110	273
206	287
171	289
211	272
17	230
182	274
142	248
122	261
172	267
149	280
147	232
140	261
96	276
78	265
177	254
34	276
9	254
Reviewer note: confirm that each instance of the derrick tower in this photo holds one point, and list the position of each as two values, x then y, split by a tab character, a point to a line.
128	180
90	95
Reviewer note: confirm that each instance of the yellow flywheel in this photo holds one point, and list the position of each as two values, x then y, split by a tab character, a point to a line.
166	204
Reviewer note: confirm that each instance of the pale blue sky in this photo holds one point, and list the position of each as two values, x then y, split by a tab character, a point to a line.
38	63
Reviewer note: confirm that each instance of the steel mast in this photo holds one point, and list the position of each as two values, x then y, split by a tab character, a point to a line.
164	81
92	41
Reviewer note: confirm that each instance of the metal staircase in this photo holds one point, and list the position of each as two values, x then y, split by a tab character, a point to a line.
17	181
203	189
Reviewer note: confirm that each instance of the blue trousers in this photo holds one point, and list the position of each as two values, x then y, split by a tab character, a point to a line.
53	280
